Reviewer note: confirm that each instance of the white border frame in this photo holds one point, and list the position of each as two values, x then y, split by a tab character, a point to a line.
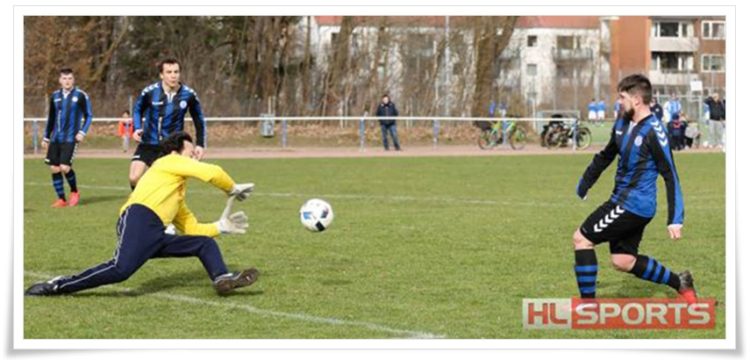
386	7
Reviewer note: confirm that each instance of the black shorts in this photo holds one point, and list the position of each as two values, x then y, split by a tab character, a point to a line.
612	223
61	153
146	153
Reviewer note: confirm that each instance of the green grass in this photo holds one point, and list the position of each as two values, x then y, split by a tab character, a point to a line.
410	249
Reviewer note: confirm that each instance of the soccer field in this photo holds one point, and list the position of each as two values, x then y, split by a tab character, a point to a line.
420	247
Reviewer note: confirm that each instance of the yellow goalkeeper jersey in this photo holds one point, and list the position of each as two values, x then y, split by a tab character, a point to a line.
162	189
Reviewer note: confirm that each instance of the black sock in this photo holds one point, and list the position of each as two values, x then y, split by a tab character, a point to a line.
57	182
647	268
71	177
586	269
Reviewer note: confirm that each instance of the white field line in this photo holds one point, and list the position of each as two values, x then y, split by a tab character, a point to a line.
272	313
563	203
392	198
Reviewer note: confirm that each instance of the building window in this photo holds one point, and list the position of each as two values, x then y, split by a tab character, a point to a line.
713	29
672	62
531	69
566	42
672	29
531	41
712	63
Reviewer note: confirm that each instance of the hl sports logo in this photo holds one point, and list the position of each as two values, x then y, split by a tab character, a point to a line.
576	313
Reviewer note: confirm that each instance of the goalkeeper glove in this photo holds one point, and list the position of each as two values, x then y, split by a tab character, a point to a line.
235	223
242	191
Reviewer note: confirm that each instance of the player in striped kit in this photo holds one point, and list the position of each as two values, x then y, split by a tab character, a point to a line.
641	142
68	122
160	111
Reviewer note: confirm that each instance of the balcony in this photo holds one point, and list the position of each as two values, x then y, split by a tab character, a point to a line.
572	54
671	77
674	44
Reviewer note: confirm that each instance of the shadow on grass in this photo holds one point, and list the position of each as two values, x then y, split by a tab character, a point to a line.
85	200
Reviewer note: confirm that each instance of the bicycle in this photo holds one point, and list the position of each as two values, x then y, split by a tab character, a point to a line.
493	136
558	134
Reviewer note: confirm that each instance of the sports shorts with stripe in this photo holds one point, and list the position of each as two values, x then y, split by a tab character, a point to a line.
612	223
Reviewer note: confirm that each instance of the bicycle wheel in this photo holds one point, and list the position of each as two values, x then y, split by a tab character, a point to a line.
518	139
485	139
583	140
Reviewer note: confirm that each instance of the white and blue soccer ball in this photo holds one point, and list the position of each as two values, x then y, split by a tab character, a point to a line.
316	215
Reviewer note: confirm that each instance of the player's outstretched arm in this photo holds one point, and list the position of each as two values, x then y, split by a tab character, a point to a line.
50	121
662	154
208	173
600	163
200	127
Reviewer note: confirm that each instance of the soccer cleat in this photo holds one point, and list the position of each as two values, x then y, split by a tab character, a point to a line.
224	284
687	290
59	203
47	288
74	197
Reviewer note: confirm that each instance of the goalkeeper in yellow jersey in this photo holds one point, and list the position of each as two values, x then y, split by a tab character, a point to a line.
159	199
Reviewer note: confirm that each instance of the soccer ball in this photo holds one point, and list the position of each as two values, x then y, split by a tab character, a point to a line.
316	215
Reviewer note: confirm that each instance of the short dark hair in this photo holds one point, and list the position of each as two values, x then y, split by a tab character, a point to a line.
174	142
126	111
385	95
66	71
636	83
167	61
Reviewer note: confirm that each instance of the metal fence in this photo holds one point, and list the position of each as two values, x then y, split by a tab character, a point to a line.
362	131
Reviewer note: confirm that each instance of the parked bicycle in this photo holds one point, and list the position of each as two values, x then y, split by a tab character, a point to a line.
492	136
558	134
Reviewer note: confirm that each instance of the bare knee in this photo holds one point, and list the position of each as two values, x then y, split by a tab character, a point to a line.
137	169
623	262
580	242
65	168
54	168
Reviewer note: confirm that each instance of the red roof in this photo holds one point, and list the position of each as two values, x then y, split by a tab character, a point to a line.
554	22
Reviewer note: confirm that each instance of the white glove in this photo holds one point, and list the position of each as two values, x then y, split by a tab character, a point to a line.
242	191
235	223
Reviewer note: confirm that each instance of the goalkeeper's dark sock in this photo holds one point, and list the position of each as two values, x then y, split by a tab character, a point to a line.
71	177
647	268
57	182
586	269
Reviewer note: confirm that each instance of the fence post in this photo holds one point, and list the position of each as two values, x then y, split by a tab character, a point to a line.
575	134
283	133
362	134
35	135
435	131
503	127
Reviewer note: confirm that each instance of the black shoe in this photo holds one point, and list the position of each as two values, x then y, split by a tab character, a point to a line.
47	288
224	284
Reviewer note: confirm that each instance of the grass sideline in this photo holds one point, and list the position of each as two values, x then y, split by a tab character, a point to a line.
420	247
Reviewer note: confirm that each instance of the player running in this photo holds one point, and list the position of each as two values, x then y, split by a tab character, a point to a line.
159	199
68	107
642	144
159	111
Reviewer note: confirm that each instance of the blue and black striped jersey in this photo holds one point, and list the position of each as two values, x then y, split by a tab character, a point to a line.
66	112
159	114
644	154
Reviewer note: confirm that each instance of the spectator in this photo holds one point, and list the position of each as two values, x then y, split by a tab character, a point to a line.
656	109
692	135
601	109
617	107
387	110
673	107
125	130
716	121
676	131
592	111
